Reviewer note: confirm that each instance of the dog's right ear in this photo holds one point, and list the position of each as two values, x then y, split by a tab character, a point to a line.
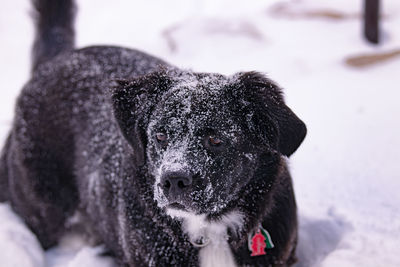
132	102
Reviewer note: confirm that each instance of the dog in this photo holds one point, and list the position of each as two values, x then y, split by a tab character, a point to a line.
166	167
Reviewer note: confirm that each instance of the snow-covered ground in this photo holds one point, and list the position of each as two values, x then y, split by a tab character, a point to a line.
346	174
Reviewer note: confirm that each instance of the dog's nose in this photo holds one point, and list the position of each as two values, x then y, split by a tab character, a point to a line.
175	183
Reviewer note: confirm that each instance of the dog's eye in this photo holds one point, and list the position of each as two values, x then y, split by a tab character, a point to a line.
215	141
161	137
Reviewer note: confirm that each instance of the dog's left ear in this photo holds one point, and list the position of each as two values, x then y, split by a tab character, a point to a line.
291	130
132	102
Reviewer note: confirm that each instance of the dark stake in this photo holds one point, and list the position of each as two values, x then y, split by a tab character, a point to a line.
371	20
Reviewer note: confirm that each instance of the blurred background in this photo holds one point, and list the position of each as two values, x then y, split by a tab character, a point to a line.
346	89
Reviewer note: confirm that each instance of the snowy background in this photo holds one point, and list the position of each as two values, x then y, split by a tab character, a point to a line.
346	173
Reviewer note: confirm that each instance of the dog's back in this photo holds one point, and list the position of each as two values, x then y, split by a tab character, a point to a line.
66	97
54	35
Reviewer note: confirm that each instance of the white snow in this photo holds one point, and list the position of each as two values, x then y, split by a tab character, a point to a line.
18	245
346	173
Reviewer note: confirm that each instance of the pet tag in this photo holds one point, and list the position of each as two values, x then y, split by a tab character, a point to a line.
259	242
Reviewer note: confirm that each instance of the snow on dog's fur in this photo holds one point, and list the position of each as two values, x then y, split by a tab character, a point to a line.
152	157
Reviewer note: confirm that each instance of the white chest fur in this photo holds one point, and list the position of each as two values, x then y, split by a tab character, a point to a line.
217	253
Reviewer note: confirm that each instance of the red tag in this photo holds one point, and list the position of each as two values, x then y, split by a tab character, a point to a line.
258	244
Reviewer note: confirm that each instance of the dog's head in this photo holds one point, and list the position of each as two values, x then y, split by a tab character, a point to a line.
203	136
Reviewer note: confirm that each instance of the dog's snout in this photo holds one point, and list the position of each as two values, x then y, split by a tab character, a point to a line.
175	183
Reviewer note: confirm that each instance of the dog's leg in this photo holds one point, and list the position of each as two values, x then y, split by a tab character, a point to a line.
4	172
41	186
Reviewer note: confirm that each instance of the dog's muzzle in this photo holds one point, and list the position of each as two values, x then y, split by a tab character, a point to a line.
175	184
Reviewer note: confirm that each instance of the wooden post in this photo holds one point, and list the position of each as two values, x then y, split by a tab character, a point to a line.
371	20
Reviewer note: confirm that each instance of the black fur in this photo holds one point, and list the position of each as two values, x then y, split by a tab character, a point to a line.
84	142
54	29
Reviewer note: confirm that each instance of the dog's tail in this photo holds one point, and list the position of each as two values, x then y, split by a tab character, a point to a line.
54	29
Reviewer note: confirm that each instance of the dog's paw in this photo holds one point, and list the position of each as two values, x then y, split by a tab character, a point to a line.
18	245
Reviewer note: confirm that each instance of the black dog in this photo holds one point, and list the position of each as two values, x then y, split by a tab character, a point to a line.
166	167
